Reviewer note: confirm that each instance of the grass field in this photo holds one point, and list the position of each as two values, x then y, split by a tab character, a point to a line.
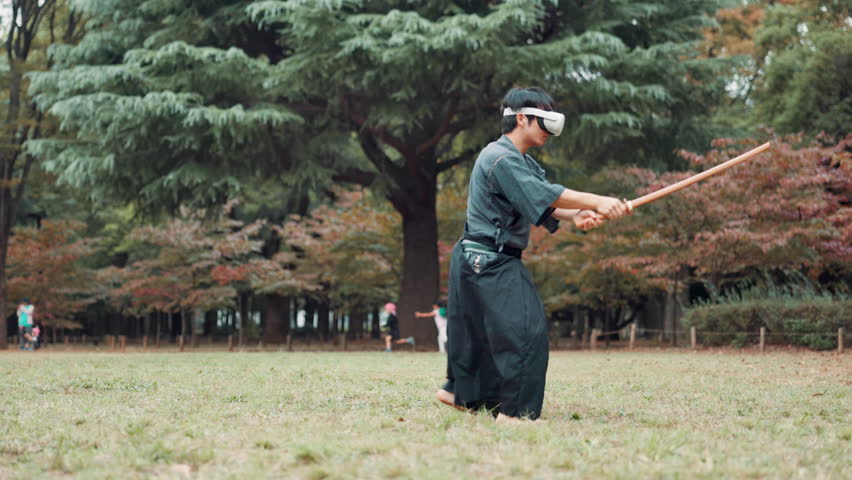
371	415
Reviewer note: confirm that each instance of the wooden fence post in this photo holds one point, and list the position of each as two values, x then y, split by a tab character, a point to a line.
762	339
289	342
144	343
692	337
230	343
632	335
260	345
344	341
65	339
122	339
180	343
840	332
594	339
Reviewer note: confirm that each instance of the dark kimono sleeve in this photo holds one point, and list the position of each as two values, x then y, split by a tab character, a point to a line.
527	190
547	221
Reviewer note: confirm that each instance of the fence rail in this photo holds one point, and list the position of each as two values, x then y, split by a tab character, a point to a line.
693	335
119	343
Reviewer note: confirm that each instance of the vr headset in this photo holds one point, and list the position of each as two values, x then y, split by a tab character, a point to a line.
550	122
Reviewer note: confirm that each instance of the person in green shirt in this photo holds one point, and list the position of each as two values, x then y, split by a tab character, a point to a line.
439	314
26	313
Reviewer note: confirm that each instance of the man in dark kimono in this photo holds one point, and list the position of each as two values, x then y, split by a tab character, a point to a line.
497	329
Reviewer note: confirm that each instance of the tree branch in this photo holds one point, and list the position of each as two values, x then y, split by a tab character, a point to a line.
463	157
306	107
442	130
378	157
353	175
361	122
28	162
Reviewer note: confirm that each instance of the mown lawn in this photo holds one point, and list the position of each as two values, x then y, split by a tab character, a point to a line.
371	415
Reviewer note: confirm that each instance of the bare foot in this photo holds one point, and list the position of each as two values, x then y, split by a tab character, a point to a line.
507	420
448	398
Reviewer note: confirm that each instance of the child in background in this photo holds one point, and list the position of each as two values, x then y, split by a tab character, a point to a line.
35	334
392	327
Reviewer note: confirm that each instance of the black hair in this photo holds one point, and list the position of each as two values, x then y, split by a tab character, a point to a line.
517	98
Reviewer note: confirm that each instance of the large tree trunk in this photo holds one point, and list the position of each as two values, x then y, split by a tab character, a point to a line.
671	314
413	195
3	320
172	326
323	321
419	272
115	324
375	326
277	324
310	308
210	319
245	312
356	325
7	220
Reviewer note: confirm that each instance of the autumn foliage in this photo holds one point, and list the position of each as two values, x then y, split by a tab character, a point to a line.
46	265
787	210
196	263
347	254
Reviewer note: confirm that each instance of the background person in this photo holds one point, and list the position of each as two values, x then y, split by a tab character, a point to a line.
39	341
35	336
392	326
26	317
439	314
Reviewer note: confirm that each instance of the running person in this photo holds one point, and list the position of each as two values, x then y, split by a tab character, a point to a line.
497	329
392	326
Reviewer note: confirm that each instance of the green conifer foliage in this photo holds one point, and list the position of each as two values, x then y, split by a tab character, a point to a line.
157	116
806	83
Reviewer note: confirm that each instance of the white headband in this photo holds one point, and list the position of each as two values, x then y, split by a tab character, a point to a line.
553	121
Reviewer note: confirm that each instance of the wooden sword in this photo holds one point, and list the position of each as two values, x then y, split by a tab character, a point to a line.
631	204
